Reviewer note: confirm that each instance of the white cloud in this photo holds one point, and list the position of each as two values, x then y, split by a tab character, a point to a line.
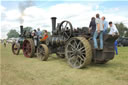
2	8
12	15
78	14
2	15
6	26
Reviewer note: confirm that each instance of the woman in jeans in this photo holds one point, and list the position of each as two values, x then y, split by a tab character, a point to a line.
92	26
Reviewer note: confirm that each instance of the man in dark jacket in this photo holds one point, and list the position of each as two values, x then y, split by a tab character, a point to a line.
92	26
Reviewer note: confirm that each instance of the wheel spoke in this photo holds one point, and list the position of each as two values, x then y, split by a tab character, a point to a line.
81	48
66	24
75	43
79	45
81	58
72	46
76	61
66	34
72	58
70	51
71	55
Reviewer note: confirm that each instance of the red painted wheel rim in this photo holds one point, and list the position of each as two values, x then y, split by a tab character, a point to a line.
27	48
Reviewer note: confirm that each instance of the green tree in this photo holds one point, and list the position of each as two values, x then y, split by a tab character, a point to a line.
13	33
123	30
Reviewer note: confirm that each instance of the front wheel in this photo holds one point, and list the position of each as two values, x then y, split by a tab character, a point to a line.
42	52
15	48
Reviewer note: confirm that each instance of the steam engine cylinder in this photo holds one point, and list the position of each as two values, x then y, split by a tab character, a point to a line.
57	41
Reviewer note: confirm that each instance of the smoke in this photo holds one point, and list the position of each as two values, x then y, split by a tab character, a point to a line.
22	6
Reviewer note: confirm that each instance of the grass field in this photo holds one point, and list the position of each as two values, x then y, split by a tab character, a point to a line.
19	70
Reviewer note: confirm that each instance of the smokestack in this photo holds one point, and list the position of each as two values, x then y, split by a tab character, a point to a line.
53	24
21	29
22	6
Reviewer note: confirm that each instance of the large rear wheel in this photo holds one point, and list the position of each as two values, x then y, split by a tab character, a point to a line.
78	52
42	52
28	48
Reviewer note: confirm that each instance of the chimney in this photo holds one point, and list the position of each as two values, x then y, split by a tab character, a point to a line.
21	29
53	23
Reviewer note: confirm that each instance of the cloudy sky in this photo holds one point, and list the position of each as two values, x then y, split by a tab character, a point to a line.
38	13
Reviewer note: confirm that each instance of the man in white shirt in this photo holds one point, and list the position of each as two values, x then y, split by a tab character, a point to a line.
113	29
99	31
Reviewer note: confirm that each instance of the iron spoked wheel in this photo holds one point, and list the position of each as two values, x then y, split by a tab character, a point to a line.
78	52
66	28
28	48
16	48
42	52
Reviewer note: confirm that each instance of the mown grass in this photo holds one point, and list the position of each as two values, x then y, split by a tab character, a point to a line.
19	70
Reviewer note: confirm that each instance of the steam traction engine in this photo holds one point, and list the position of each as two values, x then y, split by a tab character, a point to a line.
19	44
76	45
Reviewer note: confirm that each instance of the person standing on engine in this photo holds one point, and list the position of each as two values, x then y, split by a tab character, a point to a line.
39	33
99	31
92	26
113	29
105	25
35	38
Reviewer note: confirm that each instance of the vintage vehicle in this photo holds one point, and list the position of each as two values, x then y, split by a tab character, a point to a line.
122	41
76	45
18	44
